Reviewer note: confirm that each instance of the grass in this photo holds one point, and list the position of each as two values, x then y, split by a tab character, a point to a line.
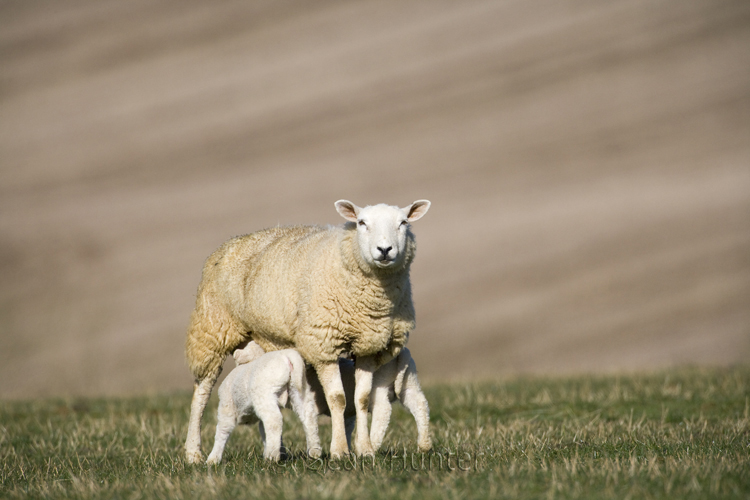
676	434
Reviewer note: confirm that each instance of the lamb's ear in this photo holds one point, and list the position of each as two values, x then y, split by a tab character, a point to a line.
417	210
347	210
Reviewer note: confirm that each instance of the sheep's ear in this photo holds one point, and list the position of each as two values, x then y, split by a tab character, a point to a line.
417	210
347	210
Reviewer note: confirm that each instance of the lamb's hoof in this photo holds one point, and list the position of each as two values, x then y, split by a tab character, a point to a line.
212	461
193	457
315	453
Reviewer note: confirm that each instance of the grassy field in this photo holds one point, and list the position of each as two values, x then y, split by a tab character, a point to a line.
675	434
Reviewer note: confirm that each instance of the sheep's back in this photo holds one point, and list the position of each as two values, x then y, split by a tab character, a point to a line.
263	276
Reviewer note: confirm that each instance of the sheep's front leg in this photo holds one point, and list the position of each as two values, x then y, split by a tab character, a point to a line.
201	394
330	378
364	367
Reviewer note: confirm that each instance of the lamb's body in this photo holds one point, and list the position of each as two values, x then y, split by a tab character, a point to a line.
394	381
254	392
313	288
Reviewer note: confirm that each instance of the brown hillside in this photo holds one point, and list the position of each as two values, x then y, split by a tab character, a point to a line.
588	164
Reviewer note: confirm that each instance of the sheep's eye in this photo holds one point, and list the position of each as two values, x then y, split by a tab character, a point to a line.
361	223
404	222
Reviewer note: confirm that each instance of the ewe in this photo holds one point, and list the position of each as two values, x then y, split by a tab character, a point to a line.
321	290
255	391
396	379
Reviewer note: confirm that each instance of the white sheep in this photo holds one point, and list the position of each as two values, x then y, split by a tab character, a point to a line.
395	380
321	290
254	392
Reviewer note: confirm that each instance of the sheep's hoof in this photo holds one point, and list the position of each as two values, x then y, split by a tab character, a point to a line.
365	451
339	448
212	461
193	457
315	453
425	447
339	455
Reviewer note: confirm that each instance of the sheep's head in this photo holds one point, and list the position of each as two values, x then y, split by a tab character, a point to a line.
383	231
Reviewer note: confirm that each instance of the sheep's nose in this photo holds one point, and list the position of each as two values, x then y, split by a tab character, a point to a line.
384	251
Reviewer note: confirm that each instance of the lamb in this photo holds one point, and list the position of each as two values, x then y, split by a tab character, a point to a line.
255	391
321	290
397	379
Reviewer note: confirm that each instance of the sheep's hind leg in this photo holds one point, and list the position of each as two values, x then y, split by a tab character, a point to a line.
201	394
364	368
330	378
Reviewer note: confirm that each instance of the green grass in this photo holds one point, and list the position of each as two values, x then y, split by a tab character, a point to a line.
677	434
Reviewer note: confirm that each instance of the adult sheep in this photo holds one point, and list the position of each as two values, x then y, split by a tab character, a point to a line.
321	290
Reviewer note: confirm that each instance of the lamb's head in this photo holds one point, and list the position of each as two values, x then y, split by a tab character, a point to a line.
383	232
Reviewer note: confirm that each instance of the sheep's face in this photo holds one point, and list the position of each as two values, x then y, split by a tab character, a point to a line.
383	230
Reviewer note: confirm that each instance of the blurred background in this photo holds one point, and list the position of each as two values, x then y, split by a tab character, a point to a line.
588	164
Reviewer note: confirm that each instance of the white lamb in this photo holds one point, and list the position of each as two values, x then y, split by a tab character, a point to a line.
396	380
321	290
254	391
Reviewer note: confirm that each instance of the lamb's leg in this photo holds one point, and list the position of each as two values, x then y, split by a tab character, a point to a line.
381	414
364	367
314	449
303	404
414	400
271	424
227	421
201	394
330	378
